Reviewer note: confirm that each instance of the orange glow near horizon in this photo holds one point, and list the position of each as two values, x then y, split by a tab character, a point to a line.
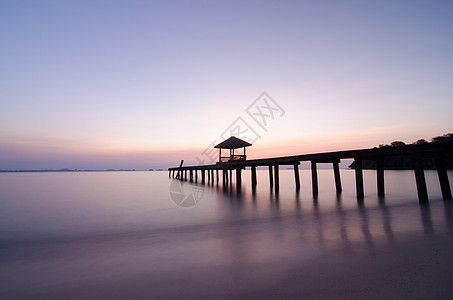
89	152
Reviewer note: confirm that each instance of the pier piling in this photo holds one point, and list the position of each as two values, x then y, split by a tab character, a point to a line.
443	178
380	176
224	177
336	172
178	175
276	176
359	178
296	176
238	177
314	177
271	177
253	176
420	178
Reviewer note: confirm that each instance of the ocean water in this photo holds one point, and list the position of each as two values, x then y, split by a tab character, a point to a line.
122	235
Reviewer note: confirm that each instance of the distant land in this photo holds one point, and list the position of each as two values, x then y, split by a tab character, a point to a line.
67	170
406	162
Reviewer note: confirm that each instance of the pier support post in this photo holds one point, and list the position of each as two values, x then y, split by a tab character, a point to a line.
443	177
196	175
380	176
420	178
271	177
212	176
238	180
276	175
209	174
253	176
359	177
224	177
179	175
238	177
217	176
296	176
336	173
202	176
191	175
314	178
231	175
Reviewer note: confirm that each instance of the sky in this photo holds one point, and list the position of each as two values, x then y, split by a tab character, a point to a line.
143	84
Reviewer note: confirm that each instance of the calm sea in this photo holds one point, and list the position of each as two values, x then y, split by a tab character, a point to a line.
123	235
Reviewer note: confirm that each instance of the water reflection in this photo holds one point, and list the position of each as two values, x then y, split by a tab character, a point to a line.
336	221
386	221
342	221
425	213
274	199
449	215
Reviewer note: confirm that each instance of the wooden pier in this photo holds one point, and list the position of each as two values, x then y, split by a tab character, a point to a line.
417	153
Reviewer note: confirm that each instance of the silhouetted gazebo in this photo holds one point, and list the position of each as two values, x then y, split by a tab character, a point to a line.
232	143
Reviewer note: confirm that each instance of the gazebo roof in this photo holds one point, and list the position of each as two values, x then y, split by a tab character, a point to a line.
232	143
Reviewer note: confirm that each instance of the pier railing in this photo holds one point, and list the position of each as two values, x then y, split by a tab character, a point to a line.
417	153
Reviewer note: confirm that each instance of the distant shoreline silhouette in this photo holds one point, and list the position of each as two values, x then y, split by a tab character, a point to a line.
66	170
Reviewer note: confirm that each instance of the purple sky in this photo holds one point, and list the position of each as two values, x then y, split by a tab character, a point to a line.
143	84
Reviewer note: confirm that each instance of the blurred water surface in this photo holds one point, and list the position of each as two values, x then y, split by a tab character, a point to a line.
120	235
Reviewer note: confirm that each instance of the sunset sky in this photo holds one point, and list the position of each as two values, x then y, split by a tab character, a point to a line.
144	84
